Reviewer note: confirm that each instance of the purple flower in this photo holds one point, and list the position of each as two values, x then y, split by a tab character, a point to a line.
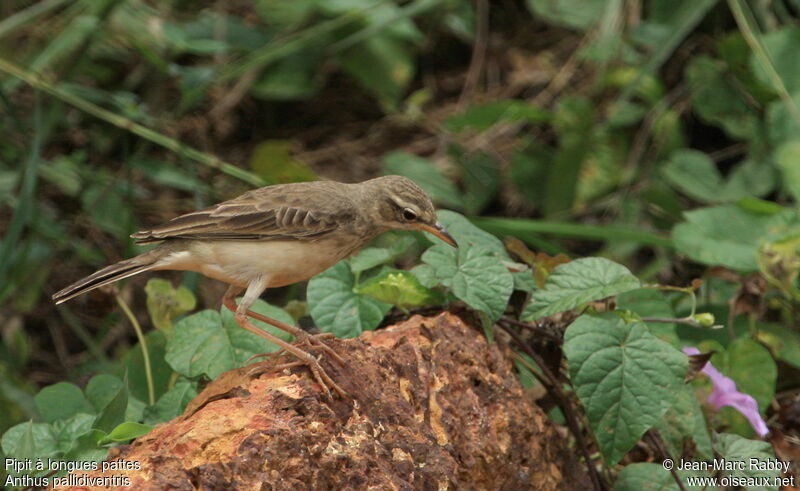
725	394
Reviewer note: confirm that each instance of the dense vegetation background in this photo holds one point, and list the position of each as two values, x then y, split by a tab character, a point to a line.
660	134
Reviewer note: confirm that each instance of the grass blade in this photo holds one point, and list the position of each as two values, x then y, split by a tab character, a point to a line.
532	230
206	159
25	17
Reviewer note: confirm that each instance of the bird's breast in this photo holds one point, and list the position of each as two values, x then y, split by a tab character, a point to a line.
239	262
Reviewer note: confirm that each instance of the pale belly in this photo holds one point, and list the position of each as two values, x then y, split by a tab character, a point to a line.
240	262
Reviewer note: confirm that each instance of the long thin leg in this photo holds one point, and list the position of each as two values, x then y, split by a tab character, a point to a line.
254	290
229	300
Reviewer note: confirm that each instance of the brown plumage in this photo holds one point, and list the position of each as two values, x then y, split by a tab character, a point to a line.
275	236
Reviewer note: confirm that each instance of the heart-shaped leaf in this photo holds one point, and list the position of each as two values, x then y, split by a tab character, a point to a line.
211	342
578	282
474	275
336	307
625	377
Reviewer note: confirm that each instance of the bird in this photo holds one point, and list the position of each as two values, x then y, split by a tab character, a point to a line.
275	236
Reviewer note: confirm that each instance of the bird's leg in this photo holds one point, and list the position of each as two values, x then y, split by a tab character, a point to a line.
312	340
254	290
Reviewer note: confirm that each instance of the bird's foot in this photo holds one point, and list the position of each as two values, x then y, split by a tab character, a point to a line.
317	341
270	356
319	373
306	358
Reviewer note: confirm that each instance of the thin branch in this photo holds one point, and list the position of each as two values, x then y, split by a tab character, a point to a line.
552	384
655	439
532	326
673	320
478	52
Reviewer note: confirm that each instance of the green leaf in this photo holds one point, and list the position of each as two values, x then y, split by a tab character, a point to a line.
751	366
578	282
114	412
524	281
575	14
483	116
684	421
652	303
165	302
573	125
273	161
210	342
126	431
625	377
694	174
426	174
171	404
291	78
278	12
67	431
101	389
603	167
468	235
718	98
645	477
426	275
30	440
729	235
527	171
474	276
783	342
62	401
399	288
787	157
369	258
782	125
482	181
781	46
337	308
383	64
161	371
84	448
734	448
374	256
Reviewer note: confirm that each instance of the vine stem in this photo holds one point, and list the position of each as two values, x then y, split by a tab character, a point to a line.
690	290
658	443
552	384
148	373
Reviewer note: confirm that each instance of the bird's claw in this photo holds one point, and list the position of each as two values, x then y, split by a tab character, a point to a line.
319	373
316	341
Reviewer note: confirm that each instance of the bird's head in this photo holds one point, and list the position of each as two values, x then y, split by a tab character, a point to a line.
399	203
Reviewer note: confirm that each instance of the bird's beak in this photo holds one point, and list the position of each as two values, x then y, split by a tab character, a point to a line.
439	231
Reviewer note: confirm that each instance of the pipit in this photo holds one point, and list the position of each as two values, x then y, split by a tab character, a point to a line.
276	236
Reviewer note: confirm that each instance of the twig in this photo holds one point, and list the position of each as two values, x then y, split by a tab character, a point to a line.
655	439
532	327
552	384
673	320
478	52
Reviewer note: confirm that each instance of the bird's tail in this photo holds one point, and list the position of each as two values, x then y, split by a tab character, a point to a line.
110	274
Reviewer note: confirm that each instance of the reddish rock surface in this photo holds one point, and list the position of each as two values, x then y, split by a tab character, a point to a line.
434	407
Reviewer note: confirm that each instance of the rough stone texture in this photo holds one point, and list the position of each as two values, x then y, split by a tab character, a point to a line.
434	407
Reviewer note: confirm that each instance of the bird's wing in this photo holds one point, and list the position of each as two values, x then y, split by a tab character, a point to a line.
264	214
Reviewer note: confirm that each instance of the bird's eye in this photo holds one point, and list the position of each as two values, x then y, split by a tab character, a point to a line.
409	215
